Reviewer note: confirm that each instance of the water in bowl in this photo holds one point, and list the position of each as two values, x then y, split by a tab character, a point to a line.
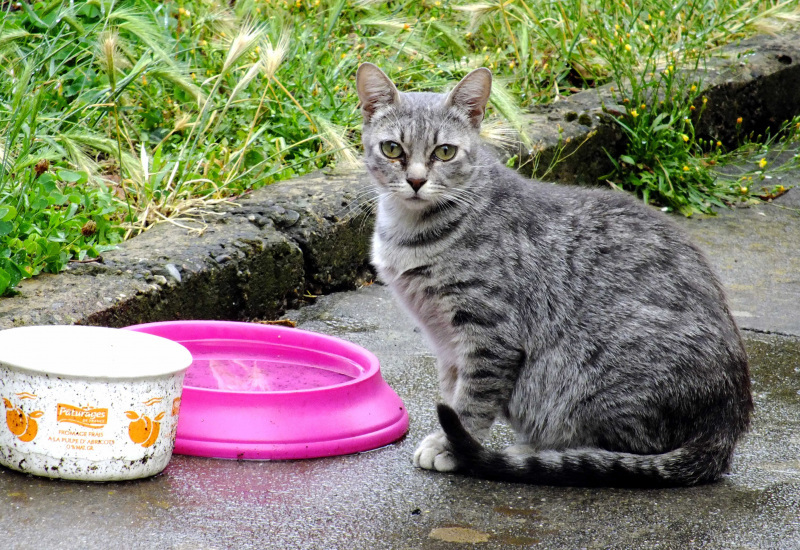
244	366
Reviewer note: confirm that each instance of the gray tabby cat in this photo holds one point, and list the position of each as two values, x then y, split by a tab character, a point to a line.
583	317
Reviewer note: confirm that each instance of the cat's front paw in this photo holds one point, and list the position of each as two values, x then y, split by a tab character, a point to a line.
433	454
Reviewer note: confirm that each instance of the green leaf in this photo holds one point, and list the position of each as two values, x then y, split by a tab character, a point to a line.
69	176
7	213
48	184
57	198
5	228
627	160
5	281
39	204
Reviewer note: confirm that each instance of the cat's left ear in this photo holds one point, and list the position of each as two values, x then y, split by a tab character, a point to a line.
472	94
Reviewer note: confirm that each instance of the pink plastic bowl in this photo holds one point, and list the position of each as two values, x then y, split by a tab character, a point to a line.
266	392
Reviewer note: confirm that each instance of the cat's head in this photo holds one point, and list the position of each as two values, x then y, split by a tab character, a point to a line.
421	148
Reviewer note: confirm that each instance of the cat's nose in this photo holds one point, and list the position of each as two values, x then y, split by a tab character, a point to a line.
416	183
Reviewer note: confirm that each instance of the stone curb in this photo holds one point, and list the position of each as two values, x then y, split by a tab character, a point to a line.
757	79
252	260
308	236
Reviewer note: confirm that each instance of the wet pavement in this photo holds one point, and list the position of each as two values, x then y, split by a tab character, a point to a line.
377	500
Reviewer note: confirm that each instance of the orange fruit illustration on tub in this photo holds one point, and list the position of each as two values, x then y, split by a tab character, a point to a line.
143	429
21	424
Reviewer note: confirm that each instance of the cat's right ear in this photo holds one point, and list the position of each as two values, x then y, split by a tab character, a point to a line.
375	90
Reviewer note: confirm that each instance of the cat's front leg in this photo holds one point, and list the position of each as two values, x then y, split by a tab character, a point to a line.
484	384
432	452
479	391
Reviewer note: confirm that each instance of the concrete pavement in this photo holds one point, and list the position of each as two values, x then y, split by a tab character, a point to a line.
377	500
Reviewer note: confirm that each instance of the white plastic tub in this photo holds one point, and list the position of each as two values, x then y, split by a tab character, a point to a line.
89	403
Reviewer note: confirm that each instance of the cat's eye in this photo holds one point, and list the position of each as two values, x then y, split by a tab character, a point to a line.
445	152
391	149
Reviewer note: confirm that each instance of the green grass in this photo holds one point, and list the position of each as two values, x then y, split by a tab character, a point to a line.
115	116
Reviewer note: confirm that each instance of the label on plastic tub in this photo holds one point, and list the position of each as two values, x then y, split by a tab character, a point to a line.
94	420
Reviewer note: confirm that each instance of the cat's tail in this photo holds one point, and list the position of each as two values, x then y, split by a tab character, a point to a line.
689	465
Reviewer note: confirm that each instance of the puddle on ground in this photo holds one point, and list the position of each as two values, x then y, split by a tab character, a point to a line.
460	535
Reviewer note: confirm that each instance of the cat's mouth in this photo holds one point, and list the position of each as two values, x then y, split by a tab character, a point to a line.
415	202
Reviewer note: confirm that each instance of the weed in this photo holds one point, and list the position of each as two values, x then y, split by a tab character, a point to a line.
161	107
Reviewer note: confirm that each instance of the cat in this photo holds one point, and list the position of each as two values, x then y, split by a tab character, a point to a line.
583	317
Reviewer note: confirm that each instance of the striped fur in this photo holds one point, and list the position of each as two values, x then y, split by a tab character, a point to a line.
584	318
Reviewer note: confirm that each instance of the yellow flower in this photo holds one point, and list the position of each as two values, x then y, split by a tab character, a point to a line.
739	120
643	106
693	88
685	168
762	163
593	42
628	47
719	144
634	113
705	100
685	137
511	65
743	190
